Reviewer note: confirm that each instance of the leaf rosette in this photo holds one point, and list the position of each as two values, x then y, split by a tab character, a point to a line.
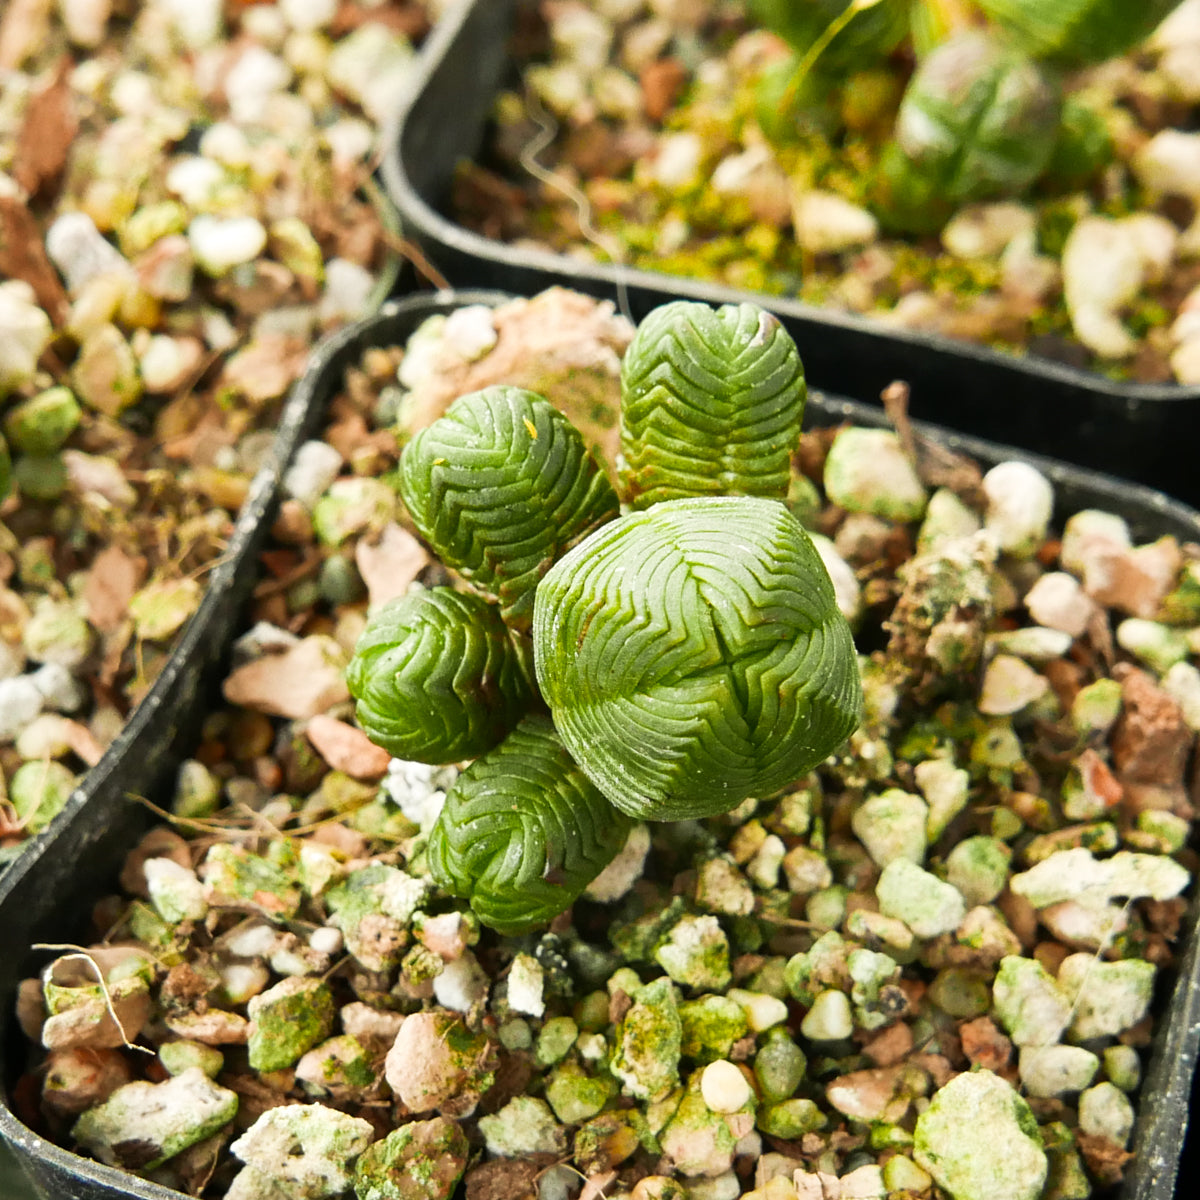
524	831
500	486
693	655
438	678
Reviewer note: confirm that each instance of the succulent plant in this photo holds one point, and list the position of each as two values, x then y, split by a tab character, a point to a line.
500	486
524	831
978	120
691	653
711	403
438	677
1076	32
872	29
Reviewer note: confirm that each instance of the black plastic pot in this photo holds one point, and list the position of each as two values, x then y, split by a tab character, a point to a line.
46	896
1143	432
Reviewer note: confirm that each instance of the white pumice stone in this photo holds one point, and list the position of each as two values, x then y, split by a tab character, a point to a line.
314	467
20	702
81	252
724	1087
1020	501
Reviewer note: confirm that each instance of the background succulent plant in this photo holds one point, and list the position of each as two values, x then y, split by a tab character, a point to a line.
983	114
979	119
691	653
1074	33
524	831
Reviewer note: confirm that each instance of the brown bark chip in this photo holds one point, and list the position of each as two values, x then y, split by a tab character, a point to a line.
47	133
22	256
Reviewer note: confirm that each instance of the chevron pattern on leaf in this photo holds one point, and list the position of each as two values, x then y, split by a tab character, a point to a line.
523	831
438	677
500	487
693	655
711	403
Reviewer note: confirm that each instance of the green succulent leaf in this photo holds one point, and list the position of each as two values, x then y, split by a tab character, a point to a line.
693	655
978	120
523	831
1077	32
438	677
500	487
711	404
870	32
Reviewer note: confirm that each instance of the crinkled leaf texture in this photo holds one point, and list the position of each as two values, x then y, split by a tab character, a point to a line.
438	677
523	831
693	655
500	487
711	404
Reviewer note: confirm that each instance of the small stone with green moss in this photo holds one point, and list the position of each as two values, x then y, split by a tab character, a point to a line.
790	1119
554	1040
711	1025
339	1065
1106	997
141	1125
696	954
524	1126
1029	1003
301	1151
423	1160
182	1055
648	1040
287	1020
1002	1159
921	900
779	1066
978	868
892	825
866	470
575	1095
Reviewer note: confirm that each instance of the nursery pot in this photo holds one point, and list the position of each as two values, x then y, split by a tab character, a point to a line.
46	895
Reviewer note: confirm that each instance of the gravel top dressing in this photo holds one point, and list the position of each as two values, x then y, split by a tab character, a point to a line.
184	207
924	968
965	180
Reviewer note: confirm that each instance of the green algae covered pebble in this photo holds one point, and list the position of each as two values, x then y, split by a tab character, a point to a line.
422	1160
437	677
141	1125
648	1042
42	423
693	655
500	487
866	471
979	1140
287	1020
523	831
711	403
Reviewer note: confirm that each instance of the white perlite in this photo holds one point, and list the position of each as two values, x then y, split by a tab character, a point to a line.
526	985
1002	1159
301	1151
160	1118
1020	501
1076	875
624	871
314	468
922	901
